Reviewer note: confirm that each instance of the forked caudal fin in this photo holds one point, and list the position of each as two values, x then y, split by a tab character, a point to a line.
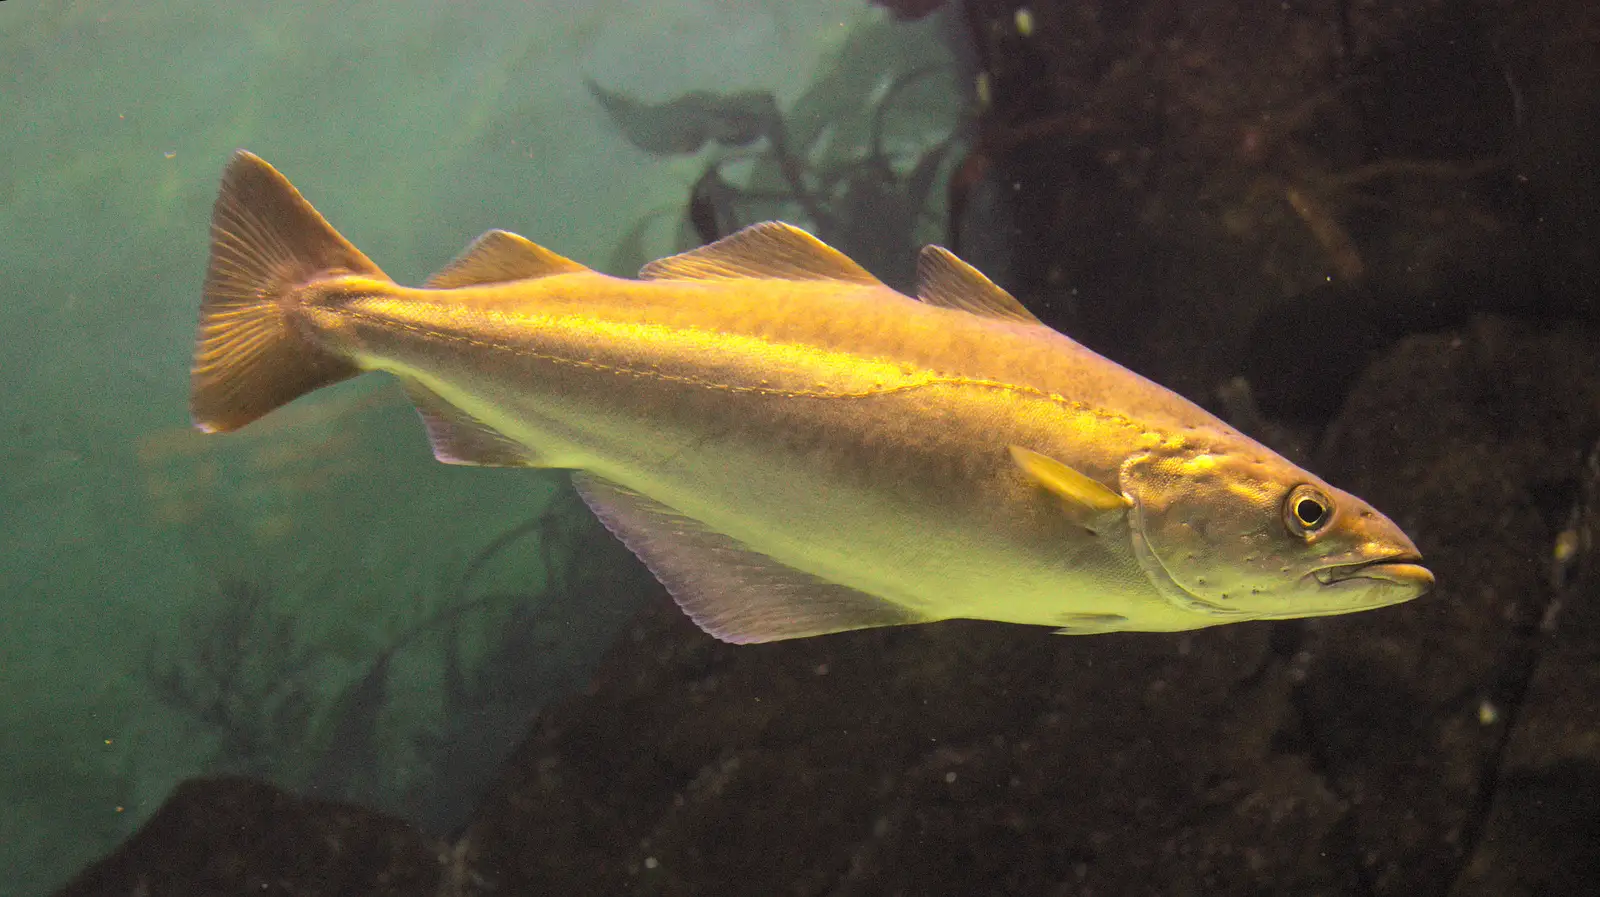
266	243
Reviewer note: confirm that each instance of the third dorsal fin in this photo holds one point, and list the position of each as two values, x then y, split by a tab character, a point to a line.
947	281
768	250
499	256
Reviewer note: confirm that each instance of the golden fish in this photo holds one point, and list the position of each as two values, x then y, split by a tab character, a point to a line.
793	447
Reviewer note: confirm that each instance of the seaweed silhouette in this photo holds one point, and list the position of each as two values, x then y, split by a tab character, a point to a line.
246	676
856	160
250	672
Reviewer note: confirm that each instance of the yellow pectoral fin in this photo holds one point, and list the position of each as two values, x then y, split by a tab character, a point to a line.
1086	497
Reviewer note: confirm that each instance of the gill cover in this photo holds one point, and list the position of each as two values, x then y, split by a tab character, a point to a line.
1209	531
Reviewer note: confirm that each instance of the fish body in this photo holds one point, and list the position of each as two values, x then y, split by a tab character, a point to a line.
793	447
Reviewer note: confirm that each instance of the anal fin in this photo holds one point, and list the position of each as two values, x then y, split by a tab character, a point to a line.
460	438
730	591
1091	624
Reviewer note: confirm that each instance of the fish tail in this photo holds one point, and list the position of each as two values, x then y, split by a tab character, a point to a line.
252	352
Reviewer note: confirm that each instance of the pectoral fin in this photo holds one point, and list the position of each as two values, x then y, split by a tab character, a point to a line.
1086	498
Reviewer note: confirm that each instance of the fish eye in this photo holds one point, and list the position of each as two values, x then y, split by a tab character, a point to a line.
1307	510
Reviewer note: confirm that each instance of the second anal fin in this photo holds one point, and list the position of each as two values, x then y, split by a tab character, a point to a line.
460	438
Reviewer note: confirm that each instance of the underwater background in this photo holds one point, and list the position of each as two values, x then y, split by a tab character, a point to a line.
307	659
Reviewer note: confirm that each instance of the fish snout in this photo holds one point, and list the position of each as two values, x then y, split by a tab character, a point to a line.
1385	563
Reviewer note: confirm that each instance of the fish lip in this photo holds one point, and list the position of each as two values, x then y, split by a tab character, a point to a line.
1404	568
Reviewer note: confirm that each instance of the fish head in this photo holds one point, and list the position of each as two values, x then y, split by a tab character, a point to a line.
1240	534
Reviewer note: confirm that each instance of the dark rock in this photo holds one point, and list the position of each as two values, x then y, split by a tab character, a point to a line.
234	836
1432	720
1175	170
1345	755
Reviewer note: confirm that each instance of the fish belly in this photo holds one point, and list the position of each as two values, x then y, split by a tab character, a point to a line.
906	496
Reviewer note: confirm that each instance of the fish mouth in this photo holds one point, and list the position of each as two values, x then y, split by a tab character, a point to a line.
1400	569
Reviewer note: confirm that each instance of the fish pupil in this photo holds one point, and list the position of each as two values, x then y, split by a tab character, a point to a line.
1309	511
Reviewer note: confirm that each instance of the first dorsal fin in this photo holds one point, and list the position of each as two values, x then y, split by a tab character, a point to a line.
947	281
499	256
768	250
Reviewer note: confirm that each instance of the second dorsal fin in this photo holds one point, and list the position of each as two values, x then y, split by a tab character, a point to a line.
947	281
768	250
499	256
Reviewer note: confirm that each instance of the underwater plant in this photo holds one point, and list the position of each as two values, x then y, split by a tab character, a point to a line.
245	674
249	670
858	159
504	656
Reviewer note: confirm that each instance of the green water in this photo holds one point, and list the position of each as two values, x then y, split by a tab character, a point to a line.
128	541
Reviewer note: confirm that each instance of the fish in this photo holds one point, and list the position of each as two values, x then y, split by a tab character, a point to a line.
792	447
